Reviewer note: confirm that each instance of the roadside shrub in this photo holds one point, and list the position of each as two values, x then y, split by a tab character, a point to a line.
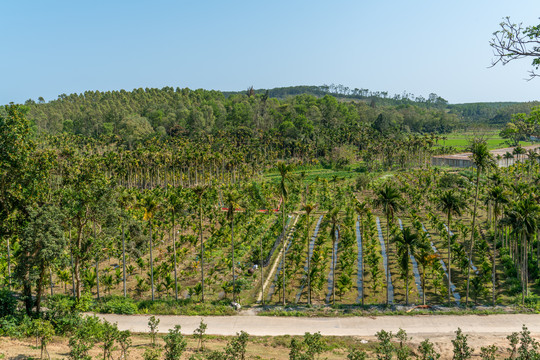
116	305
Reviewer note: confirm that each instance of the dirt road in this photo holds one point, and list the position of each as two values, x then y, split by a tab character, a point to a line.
421	325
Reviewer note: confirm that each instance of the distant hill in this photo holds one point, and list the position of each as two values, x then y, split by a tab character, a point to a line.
491	113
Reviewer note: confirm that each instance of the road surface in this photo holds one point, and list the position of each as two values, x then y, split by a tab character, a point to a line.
422	325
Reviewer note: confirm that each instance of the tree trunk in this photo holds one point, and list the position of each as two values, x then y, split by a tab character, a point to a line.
72	268
472	235
232	245
202	250
308	260
124	259
39	289
388	259
175	261
283	248
449	262
9	263
51	280
151	261
97	264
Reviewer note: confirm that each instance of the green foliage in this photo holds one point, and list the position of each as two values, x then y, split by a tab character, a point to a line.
175	344
152	353
116	305
355	354
461	349
236	348
427	351
153	323
403	352
200	334
8	303
385	349
488	352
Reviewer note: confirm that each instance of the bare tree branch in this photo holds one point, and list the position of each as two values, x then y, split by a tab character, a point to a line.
513	42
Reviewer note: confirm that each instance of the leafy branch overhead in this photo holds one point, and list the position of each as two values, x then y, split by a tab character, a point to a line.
514	41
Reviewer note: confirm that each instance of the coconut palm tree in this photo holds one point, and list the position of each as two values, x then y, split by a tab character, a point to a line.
450	203
308	208
482	160
389	200
285	178
232	199
407	243
199	191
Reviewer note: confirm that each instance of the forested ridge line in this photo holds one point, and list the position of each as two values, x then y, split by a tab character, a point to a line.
298	110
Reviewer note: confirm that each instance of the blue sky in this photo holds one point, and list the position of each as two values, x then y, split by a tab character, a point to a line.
55	47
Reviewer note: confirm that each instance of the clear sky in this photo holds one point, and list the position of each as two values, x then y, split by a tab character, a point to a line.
54	47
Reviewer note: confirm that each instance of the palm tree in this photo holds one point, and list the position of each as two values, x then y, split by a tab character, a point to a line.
285	178
497	196
175	204
308	208
507	156
125	200
406	242
199	191
334	218
450	203
518	151
232	199
482	160
361	209
388	199
524	218
150	204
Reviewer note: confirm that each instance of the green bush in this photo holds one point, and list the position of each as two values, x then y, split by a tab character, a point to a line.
116	305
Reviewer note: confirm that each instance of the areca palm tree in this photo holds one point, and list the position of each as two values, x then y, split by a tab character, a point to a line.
361	208
232	199
497	196
308	208
175	204
199	191
285	178
524	219
125	200
407	243
450	203
150	204
389	200
482	160
335	221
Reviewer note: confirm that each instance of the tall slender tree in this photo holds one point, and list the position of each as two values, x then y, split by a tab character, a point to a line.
308	208
451	203
232	202
285	178
482	160
389	199
199	191
407	243
150	203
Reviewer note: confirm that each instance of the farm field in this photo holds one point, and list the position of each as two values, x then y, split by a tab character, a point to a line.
461	139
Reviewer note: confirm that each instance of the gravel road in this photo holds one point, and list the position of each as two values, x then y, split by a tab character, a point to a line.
422	325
